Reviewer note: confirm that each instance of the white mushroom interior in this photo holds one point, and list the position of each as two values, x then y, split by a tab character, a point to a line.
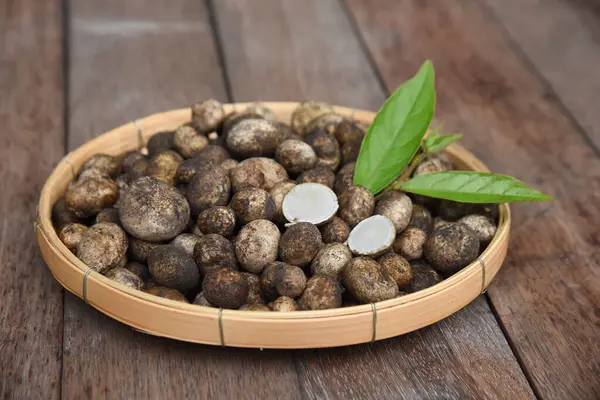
310	202
372	235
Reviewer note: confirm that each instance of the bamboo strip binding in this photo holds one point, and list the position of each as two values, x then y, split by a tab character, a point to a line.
302	329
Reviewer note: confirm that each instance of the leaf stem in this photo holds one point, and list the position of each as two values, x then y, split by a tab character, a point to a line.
406	173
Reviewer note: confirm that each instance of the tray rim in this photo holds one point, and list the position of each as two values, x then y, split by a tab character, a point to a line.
52	247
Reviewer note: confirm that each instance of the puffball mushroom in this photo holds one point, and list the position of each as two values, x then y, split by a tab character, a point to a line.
397	206
451	248
310	202
285	304
125	277
257	244
367	281
260	172
88	196
307	112
300	243
331	260
153	210
102	247
225	288
356	204
173	267
254	138
321	293
207	115
372	236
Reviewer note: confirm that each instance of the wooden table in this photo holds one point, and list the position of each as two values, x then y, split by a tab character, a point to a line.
520	78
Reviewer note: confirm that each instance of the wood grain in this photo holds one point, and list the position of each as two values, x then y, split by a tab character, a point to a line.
32	136
411	366
405	367
290	51
561	40
548	294
129	59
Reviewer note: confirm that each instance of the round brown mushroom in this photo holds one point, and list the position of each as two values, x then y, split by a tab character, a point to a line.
322	175
260	172
397	268
278	193
423	276
139	249
207	115
367	281
212	252
153	210
326	122
108	215
102	247
70	234
356	204
321	293
307	112
483	227
251	203
256	245
348	131
451	248
335	231
103	163
219	220
344	178
87	197
188	141
290	281
225	288
160	141
295	156
397	206
125	277
167	293
141	270
350	151
285	304
186	242
268	279
326	148
331	260
409	244
300	243
254	291
129	160
163	166
209	187
213	154
173	267
254	138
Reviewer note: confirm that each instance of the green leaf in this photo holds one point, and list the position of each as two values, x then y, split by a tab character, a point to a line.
472	187
434	143
396	132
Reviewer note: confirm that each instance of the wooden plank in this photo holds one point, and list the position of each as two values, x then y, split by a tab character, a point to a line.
129	59
464	356
31	117
450	360
548	293
561	40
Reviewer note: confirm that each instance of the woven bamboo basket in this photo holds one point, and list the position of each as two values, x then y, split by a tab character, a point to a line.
301	329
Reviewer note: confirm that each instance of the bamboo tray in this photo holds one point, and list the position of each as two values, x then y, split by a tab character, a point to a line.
301	329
